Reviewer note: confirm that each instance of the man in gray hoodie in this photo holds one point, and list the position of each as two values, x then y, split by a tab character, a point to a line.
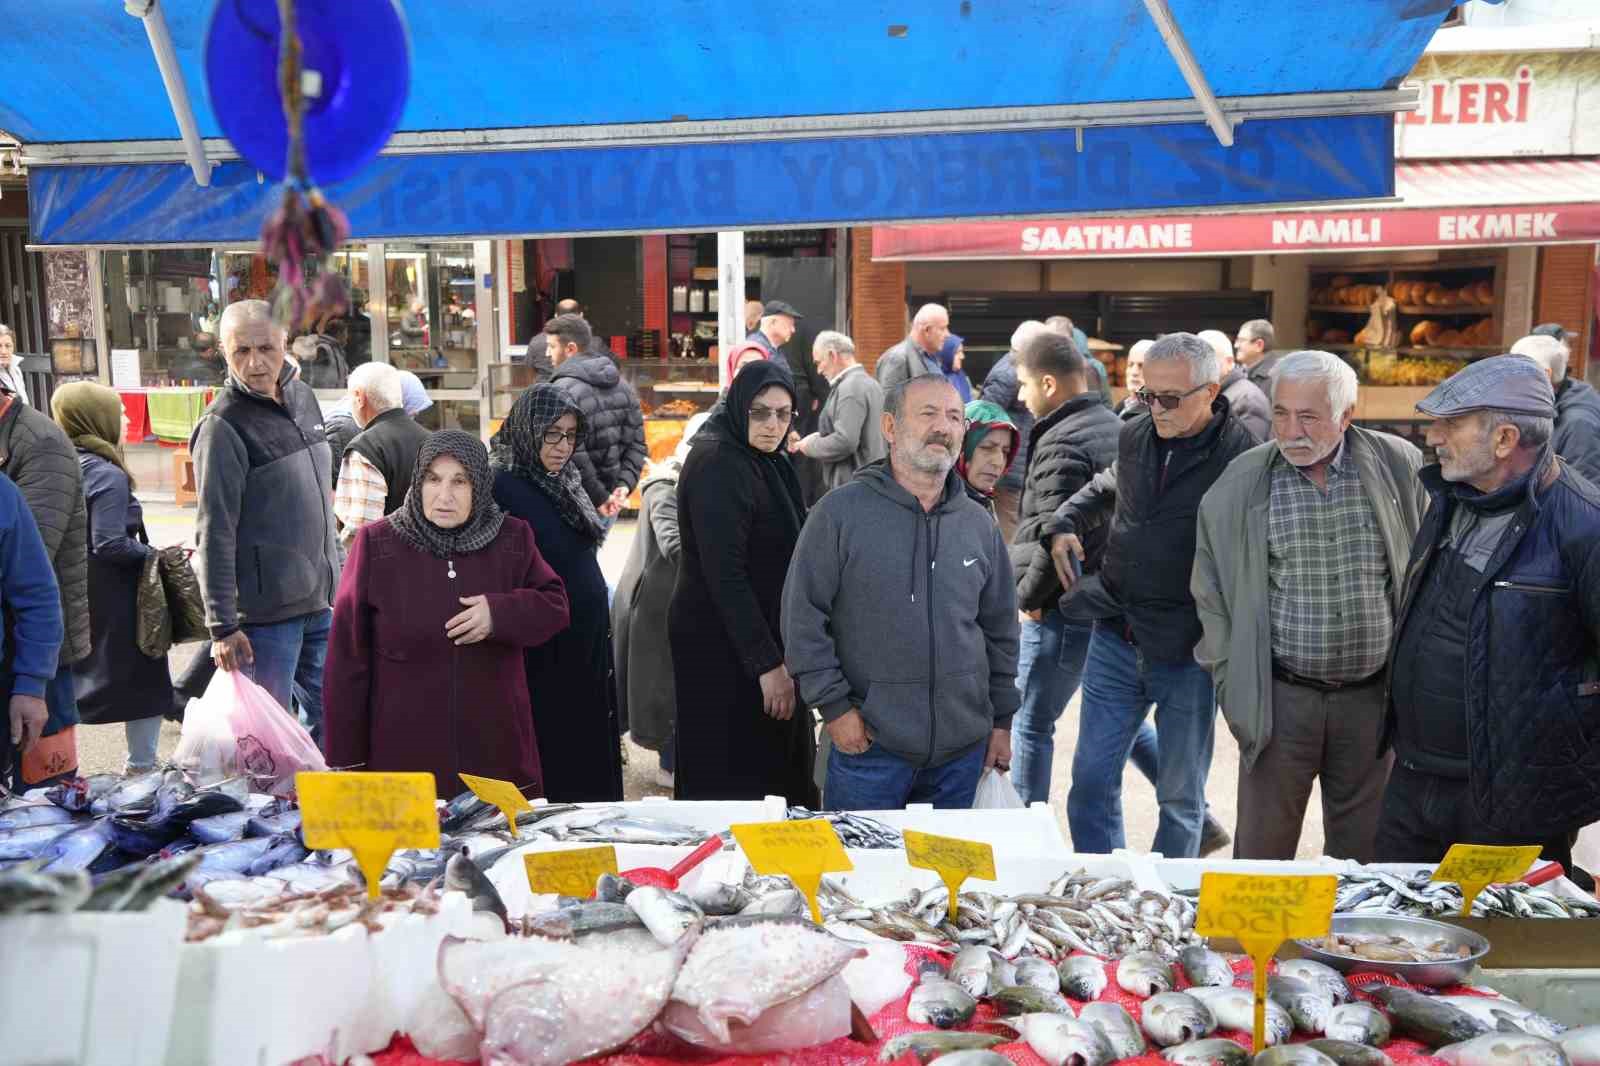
911	658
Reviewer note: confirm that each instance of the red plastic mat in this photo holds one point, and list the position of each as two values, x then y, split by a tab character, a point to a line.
655	1050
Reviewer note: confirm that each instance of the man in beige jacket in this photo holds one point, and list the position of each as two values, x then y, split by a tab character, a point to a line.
1299	569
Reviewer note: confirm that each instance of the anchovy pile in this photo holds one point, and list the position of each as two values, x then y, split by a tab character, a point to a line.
1379	892
1103	916
855	830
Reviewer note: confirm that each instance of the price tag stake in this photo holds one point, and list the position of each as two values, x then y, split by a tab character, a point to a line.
952	859
1477	866
1261	913
371	815
571	872
502	794
801	850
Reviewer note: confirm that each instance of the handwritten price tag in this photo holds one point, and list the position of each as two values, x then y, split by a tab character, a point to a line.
1477	866
371	815
502	794
1261	913
954	860
569	873
800	850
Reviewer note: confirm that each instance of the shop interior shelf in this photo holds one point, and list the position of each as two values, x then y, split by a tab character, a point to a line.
1407	309
1458	352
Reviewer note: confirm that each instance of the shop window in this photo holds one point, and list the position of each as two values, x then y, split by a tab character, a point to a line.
452	414
431	316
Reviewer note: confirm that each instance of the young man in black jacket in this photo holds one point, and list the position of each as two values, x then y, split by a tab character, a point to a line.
1074	437
612	452
1146	627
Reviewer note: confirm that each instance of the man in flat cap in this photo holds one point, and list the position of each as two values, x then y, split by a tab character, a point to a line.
1494	682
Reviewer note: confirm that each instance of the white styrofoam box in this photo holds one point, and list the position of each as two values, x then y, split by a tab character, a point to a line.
1571	997
90	989
1030	831
254	1000
713	816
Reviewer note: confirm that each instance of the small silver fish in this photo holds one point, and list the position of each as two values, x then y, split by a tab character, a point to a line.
924	1044
1491	1010
1359	1024
1308	1004
1172	1018
1202	966
973	969
1317	973
1349	1053
1235	1008
1083	977
1292	1055
942	1003
1216	1051
1144	974
1117	1026
1504	1049
1060	1039
1037	973
668	915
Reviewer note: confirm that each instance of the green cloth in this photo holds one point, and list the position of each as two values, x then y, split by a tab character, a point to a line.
175	412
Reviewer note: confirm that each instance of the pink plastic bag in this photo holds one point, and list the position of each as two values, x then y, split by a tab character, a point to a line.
237	728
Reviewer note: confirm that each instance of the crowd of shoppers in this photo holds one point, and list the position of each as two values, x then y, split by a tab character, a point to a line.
1409	637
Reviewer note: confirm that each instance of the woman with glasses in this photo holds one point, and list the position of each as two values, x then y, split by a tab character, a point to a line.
569	678
741	733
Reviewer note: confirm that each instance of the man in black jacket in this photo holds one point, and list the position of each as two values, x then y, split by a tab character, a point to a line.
1494	702
1073	439
1577	432
1146	627
612	451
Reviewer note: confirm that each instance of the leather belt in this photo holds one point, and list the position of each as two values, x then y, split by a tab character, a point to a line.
1289	677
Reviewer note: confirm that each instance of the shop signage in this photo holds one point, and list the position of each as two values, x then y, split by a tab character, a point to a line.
1477	866
372	815
800	849
1241	234
570	872
745	184
953	859
1509	104
502	794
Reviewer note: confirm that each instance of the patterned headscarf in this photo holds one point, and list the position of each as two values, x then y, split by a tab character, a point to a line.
517	445
481	526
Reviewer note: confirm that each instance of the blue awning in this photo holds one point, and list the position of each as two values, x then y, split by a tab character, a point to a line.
617	116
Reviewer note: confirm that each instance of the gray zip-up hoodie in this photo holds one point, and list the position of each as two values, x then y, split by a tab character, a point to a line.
268	551
921	639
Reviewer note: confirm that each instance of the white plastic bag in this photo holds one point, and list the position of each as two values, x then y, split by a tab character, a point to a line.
238	728
995	793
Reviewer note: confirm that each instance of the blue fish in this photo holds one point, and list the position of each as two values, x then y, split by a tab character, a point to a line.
34	814
78	849
219	828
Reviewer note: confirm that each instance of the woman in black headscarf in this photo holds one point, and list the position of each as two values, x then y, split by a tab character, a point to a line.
569	678
436	604
741	733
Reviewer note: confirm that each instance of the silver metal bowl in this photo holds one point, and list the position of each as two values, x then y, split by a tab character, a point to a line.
1421	930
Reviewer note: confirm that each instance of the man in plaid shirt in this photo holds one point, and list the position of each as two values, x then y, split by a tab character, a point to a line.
1299	568
378	463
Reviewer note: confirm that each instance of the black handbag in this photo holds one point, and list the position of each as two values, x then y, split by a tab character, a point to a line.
184	601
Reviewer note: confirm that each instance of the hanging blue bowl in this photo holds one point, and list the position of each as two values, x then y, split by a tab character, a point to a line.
357	54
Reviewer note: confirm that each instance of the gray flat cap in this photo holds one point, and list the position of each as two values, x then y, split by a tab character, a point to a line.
1500	383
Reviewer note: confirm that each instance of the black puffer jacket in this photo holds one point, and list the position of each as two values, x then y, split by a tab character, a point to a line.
1151	512
613	451
341	429
36	454
1533	657
1577	437
1070	446
1002	389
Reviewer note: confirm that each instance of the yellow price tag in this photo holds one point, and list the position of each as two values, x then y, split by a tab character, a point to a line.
1261	913
1477	866
372	815
954	860
502	794
800	850
572	872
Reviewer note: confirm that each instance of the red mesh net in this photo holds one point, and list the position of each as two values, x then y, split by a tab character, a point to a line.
891	1021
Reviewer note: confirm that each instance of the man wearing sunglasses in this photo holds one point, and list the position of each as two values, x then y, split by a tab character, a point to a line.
1145	630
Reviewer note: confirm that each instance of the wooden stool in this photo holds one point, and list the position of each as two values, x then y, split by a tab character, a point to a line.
183	493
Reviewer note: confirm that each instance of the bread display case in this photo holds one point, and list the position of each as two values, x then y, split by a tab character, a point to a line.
671	391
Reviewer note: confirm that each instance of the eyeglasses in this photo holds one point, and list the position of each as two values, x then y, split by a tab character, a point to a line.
770	414
555	436
1168	403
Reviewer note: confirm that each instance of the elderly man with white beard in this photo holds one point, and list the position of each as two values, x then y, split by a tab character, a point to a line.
1299	570
900	618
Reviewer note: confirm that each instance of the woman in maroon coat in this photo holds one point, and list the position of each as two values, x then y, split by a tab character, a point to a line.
437	603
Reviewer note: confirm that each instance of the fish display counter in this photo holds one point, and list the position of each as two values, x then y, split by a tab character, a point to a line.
279	954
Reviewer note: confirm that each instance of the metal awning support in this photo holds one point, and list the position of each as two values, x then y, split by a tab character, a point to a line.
155	26
1220	124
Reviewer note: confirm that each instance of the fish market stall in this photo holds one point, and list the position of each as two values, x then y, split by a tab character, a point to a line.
279	955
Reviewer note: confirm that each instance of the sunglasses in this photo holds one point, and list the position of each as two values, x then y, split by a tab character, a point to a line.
769	414
1168	403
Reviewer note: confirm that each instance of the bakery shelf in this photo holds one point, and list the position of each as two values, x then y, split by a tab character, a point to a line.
1482	310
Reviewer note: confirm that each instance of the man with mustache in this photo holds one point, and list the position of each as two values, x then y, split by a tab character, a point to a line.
900	618
1298	572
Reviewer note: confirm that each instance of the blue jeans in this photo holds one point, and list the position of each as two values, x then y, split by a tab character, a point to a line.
144	736
877	780
1119	686
288	663
1049	667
